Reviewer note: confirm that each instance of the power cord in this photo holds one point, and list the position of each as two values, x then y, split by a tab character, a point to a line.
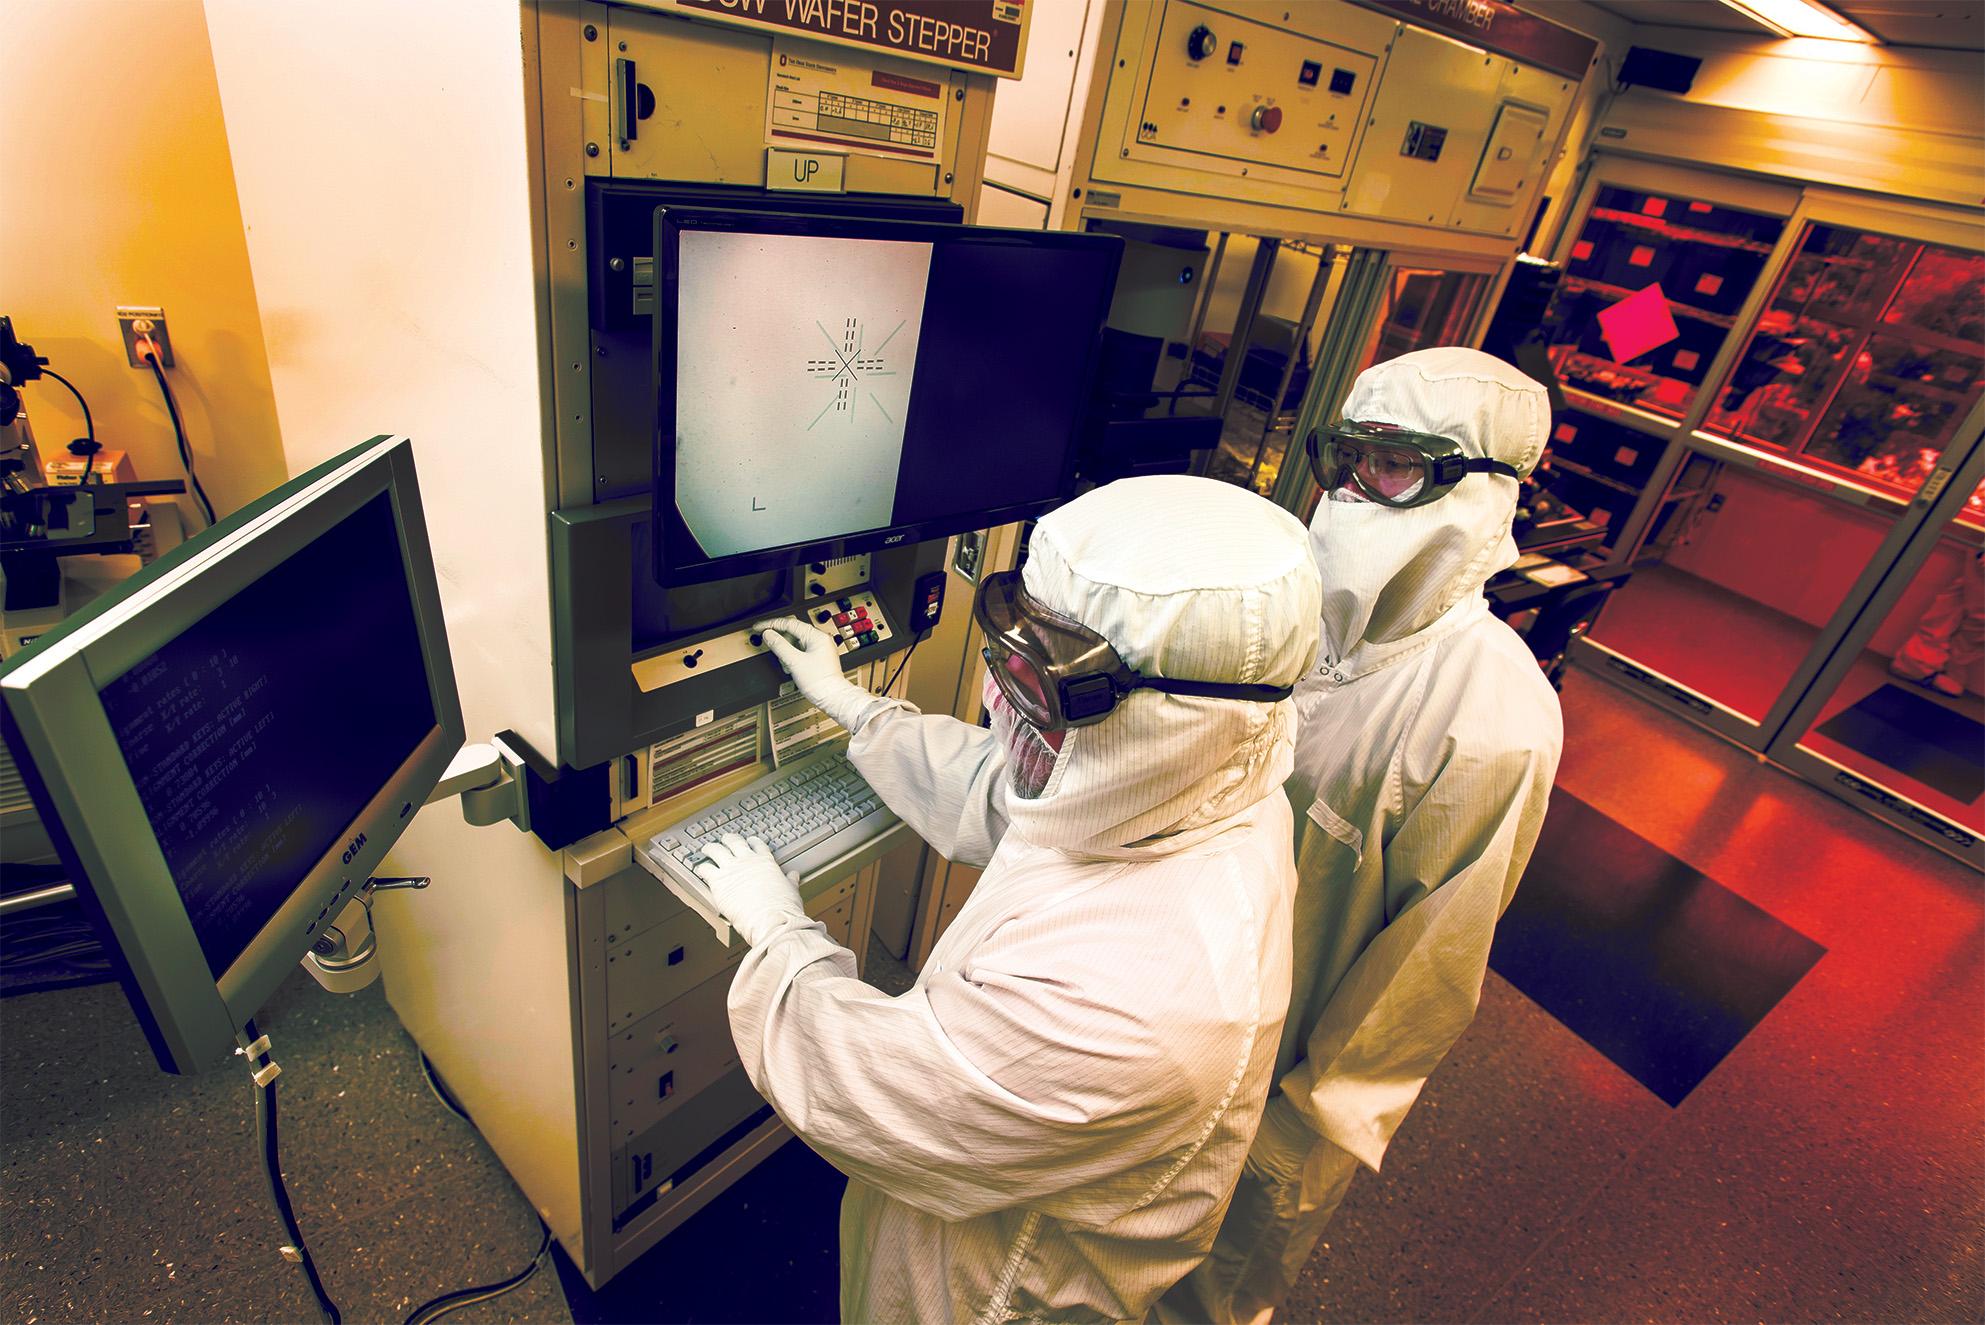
151	357
89	424
890	684
263	1070
435	1308
438	1307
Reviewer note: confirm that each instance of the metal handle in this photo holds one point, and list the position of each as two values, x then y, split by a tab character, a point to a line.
626	86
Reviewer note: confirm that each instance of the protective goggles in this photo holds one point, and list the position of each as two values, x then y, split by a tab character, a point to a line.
1392	466
1058	673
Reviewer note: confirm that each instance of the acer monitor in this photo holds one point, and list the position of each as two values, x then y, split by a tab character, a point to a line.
828	386
224	748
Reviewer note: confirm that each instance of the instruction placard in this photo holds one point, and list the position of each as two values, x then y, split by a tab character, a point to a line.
873	105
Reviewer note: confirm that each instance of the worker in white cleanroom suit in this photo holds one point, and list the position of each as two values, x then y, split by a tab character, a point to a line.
1426	744
1049	1124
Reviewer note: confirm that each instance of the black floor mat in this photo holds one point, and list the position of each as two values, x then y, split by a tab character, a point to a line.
1917	737
766	1249
1658	967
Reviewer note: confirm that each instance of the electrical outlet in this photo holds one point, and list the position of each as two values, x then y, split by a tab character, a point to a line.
134	321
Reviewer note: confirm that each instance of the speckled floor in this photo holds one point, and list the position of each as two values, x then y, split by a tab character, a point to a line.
1832	1167
130	1195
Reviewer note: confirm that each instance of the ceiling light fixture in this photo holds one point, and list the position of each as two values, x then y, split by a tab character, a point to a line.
1800	18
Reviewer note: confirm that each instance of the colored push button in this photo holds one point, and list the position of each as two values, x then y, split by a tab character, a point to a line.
843	618
870	637
1312	71
1234	52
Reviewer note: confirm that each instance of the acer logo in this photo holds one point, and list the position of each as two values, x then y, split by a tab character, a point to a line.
352	850
894	539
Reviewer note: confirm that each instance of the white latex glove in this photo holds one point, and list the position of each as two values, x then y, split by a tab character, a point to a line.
748	886
812	659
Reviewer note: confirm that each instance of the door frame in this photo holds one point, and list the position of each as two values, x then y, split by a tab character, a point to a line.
1932	513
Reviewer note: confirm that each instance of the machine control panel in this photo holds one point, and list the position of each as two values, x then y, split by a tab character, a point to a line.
1279	97
853	617
855	621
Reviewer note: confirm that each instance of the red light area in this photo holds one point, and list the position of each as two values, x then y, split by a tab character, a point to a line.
1638	324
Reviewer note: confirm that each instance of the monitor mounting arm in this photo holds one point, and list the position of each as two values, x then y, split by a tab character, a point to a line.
489	779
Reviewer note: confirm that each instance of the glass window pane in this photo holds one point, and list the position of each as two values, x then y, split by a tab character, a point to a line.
1896	411
1423	309
1597	468
1908	717
1736	582
1944	295
1866	359
1274	372
1651	288
1782	380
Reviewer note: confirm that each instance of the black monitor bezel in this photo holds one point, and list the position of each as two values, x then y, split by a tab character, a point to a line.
670	222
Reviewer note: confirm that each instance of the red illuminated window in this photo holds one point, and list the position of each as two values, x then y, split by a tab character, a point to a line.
1866	359
1609	338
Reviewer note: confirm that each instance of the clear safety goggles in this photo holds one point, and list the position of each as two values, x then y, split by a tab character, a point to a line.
1058	673
1392	466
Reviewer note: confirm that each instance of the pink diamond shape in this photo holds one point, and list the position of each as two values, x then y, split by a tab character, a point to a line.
1637	324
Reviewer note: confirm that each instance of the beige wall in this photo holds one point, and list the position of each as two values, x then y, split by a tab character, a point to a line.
103	207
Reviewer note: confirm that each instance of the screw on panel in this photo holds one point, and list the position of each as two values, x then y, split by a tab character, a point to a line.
623	46
616	264
592	149
1123	151
959	95
569	184
947	177
592	33
571	244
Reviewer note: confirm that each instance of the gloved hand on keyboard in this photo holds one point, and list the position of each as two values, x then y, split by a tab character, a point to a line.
748	885
810	656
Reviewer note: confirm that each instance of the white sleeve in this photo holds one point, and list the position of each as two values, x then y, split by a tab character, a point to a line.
1450	870
944	778
964	1095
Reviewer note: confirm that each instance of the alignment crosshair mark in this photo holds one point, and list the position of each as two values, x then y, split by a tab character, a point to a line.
849	367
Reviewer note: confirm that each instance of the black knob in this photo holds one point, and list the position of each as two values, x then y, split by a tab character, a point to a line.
815	590
757	640
1201	42
818	568
692	659
823	615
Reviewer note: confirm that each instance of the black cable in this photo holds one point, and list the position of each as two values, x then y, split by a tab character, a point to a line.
440	1092
435	1308
890	684
179	435
272	1169
89	424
